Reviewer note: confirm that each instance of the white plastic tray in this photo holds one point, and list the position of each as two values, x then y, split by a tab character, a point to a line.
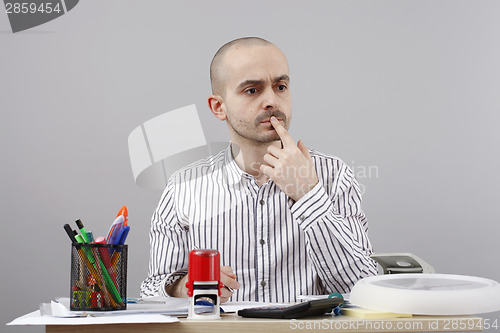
427	294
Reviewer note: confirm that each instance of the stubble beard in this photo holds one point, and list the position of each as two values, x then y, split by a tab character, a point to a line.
250	131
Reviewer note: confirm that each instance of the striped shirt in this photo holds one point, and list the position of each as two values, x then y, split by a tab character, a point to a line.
278	248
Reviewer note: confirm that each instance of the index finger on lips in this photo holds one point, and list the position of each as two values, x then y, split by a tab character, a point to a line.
285	137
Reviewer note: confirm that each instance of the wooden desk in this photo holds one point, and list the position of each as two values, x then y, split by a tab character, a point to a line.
234	323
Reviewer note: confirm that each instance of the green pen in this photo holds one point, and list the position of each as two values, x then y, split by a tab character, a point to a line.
82	230
110	284
86	249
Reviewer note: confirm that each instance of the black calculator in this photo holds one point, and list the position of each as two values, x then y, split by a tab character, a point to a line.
304	309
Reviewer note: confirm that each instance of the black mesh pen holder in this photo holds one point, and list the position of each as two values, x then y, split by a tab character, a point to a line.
98	277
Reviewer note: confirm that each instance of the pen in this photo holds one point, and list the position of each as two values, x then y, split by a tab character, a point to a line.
82	230
115	230
100	281
123	236
70	233
106	259
90	236
80	240
107	293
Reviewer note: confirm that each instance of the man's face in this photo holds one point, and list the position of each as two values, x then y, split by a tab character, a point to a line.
256	84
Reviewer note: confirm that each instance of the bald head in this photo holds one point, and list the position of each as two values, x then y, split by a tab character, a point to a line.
218	73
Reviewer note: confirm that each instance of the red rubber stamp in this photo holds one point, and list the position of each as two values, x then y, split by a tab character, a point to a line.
204	282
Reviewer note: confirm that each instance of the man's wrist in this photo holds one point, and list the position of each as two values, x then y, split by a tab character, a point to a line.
176	289
304	189
312	206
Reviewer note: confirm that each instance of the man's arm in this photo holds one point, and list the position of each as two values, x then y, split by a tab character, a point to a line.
168	260
336	233
335	226
169	254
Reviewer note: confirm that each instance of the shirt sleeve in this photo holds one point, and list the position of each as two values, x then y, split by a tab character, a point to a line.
336	232
168	260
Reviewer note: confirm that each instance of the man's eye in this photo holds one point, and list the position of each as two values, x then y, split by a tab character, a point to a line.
251	91
281	87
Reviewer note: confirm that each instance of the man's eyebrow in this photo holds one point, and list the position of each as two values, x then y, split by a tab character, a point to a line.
257	82
249	83
283	77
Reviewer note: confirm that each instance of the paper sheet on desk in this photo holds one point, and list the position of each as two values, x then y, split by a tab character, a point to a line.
172	306
35	318
148	311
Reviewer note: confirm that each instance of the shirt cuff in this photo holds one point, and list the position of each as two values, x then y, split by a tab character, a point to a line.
171	279
311	207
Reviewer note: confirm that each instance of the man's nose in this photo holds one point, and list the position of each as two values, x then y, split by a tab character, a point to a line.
270	100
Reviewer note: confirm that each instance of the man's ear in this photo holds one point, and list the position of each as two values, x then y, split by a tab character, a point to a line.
215	103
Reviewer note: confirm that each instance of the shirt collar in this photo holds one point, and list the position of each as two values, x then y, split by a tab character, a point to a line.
233	171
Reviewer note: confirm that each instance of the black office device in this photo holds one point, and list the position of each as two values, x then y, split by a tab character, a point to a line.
305	309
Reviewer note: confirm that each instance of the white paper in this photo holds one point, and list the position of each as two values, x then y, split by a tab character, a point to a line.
35	318
153	310
172	306
149	310
57	309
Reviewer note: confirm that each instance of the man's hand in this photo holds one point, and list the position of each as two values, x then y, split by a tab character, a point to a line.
227	277
290	167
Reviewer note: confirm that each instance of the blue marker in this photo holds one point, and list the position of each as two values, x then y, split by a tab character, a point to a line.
122	236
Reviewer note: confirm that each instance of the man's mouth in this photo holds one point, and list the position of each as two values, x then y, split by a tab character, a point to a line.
268	121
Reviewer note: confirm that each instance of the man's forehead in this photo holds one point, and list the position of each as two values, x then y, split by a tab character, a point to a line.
262	63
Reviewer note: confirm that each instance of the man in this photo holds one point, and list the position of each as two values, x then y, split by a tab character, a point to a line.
286	220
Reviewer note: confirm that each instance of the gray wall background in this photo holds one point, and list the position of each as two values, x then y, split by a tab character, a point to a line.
405	92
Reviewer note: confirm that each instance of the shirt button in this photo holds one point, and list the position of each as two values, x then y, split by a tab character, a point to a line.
302	217
263	283
262	202
262	242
